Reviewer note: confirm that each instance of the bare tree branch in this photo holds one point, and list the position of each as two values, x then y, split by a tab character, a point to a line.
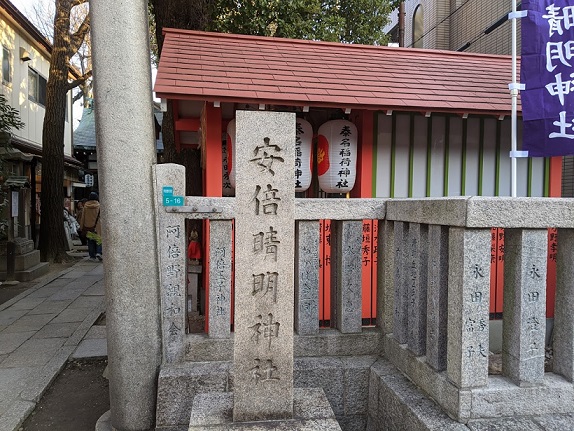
79	2
77	97
79	81
78	37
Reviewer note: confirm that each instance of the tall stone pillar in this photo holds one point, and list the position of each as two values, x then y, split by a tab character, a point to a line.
126	151
264	293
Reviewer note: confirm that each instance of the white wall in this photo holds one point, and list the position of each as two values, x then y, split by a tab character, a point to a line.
31	113
461	157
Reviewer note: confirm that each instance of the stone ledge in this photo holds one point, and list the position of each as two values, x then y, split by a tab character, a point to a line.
329	342
340	209
397	405
485	212
501	398
29	274
178	385
311	411
435	384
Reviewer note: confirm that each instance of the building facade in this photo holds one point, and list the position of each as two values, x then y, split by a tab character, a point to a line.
25	56
465	25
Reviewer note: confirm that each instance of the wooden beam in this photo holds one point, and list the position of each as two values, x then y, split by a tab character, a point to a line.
187	124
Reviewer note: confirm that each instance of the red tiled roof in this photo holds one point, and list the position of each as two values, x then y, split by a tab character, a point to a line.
252	69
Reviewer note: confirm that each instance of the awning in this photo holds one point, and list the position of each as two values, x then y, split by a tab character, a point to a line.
15	154
16	181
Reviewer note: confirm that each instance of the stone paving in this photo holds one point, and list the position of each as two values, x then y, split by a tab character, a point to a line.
41	329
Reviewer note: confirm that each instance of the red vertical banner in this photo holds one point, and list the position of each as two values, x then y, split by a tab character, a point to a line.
367	268
493	268
232	273
496	272
325	273
499	271
551	271
321	270
375	254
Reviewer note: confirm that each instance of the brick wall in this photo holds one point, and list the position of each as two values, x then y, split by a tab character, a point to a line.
449	24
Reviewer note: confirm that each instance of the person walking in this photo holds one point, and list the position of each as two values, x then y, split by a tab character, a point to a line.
79	211
90	225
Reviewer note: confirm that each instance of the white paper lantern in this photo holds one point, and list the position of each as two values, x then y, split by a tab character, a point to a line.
303	143
231	152
337	156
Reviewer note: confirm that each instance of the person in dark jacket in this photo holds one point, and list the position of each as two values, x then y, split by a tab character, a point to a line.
91	226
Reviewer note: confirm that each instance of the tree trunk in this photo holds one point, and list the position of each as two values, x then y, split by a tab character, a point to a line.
168	135
52	233
184	14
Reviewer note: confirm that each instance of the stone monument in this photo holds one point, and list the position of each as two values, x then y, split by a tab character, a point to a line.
264	293
265	199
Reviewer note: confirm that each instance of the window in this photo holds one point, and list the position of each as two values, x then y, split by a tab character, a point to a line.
36	87
418	26
6	66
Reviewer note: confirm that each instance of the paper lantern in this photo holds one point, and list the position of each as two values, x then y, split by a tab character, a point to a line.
227	162
303	162
337	156
230	143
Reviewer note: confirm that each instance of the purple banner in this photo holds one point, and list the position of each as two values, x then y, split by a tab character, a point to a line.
547	70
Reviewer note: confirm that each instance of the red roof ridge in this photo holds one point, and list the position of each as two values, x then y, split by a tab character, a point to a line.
276	40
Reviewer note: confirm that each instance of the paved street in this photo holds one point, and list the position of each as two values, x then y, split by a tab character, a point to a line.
43	327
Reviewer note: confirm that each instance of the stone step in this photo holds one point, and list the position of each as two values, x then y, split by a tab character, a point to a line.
29	274
395	404
28	260
311	412
22	261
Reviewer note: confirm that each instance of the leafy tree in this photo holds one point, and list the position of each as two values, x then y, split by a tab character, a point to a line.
9	121
350	21
82	60
9	116
66	44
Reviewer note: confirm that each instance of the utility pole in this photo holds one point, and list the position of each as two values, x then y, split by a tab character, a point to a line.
402	24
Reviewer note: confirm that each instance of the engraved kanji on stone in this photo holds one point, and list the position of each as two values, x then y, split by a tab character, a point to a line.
476	297
533	323
173	329
172	290
534	272
534	347
267	242
172	310
268	201
173	269
173	251
266	155
265	283
172	231
263	372
477	271
476	351
265	330
474	325
533	296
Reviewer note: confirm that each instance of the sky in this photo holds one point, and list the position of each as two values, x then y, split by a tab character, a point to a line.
26	6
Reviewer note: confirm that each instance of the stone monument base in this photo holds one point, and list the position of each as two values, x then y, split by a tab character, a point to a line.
27	265
311	412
